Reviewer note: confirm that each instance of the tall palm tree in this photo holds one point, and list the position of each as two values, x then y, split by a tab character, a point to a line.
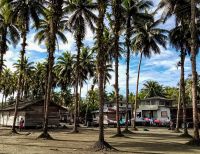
8	32
64	69
23	12
81	15
101	144
117	15
132	11
27	73
194	48
54	18
146	40
179	39
152	89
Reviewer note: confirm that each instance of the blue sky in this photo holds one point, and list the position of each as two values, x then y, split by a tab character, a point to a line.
161	68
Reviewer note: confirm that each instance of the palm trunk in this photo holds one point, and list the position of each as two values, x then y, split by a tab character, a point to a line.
127	69
101	144
3	48
116	12
182	82
117	94
75	129
56	8
178	109
2	101
194	72
79	100
136	94
1	63
24	34
49	86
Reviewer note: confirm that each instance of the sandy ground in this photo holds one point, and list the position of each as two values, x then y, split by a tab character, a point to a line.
156	140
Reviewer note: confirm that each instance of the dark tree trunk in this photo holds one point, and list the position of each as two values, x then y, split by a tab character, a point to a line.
136	94
128	26
3	48
194	72
101	144
116	12
19	84
2	104
79	43
182	83
178	109
56	8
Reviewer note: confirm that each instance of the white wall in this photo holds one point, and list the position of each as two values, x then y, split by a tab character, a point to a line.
6	120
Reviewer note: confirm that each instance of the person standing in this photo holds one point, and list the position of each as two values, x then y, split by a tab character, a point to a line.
21	124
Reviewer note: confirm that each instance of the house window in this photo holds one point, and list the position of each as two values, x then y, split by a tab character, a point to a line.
162	103
164	114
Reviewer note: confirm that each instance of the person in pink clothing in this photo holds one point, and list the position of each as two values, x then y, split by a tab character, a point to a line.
21	124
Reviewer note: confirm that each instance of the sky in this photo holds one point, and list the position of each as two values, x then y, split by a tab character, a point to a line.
161	68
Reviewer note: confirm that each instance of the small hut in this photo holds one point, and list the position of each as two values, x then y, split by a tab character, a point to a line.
33	114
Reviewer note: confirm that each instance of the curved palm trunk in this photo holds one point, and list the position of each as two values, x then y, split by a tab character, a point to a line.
127	69
75	129
136	94
178	109
194	72
24	34
56	9
48	87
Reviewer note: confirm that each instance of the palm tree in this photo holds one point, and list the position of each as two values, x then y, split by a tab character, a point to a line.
8	32
38	84
132	12
82	15
179	39
101	144
153	89
86	69
54	18
146	40
27	74
194	48
64	69
23	12
117	15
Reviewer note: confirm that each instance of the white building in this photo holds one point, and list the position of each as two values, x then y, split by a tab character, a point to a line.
155	108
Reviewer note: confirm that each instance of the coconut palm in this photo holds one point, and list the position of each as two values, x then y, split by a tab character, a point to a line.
132	12
64	69
54	18
5	85
194	48
146	41
153	89
23	12
179	39
81	16
8	32
117	22
27	75
101	144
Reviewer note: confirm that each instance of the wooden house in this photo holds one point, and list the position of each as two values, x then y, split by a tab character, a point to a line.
33	114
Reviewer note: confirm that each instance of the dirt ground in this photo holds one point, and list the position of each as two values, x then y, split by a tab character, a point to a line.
156	140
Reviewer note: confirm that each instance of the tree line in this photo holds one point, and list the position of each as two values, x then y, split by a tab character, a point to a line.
109	21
